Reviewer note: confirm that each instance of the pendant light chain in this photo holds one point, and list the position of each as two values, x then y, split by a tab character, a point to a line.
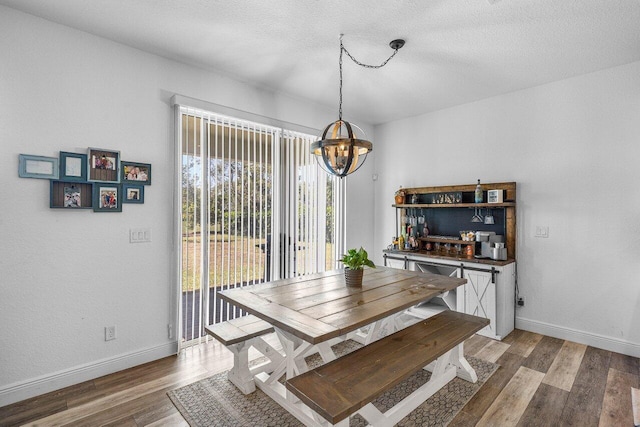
367	65
341	49
344	49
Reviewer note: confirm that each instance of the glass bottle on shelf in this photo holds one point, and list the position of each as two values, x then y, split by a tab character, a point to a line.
478	194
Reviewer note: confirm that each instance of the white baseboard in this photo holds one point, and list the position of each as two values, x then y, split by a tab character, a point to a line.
582	337
16	392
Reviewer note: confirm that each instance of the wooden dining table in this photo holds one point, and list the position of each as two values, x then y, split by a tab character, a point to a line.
311	313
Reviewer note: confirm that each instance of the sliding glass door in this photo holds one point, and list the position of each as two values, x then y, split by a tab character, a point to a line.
254	207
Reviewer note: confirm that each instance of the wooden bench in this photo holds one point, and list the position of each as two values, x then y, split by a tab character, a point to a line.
350	383
238	335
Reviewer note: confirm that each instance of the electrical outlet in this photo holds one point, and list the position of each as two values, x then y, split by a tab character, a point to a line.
521	302
170	329
109	333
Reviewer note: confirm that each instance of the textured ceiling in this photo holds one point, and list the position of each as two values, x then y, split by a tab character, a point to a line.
457	51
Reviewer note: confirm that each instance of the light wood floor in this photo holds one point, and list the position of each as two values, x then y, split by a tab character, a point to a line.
541	381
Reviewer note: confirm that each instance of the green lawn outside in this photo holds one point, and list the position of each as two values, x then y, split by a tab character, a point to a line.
232	259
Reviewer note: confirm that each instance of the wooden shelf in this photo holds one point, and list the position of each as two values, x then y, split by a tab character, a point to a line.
452	241
465	193
455	205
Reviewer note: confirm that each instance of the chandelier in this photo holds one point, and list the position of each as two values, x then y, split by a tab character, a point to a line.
343	146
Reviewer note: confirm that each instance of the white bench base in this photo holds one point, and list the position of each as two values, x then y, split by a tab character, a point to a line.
241	375
443	370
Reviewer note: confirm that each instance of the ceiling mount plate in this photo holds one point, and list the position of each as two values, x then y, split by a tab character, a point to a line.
396	44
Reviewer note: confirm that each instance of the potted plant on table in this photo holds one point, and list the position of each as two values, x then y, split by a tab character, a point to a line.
354	262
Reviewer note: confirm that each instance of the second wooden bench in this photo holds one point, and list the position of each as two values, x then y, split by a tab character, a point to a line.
349	384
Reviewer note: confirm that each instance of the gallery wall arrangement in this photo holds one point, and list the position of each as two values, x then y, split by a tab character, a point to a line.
97	180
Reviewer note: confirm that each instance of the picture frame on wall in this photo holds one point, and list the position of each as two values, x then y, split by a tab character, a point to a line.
38	167
136	173
103	165
73	166
71	195
107	197
133	193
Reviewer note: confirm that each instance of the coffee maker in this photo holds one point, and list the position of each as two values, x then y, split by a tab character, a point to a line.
483	245
490	245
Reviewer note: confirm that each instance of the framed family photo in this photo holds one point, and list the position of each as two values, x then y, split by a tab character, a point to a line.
136	173
73	166
133	193
103	165
71	195
38	167
107	197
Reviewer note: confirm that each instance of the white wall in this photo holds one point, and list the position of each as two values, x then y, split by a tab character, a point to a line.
64	275
573	148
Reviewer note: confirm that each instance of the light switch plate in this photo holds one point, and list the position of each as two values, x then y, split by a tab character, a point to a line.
542	231
139	235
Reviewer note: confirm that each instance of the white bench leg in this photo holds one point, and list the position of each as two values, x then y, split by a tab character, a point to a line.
464	369
240	375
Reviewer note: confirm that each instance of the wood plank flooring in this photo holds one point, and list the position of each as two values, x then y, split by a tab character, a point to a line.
542	381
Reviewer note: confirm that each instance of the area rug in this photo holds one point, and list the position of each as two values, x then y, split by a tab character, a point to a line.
215	401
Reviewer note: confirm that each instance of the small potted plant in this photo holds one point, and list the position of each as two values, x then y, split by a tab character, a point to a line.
354	262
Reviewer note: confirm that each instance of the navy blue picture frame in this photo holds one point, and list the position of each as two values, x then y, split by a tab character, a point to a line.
133	193
107	197
135	173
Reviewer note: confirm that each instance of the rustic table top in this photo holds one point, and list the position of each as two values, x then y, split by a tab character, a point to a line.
319	307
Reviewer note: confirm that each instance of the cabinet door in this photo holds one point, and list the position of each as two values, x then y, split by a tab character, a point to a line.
396	263
478	297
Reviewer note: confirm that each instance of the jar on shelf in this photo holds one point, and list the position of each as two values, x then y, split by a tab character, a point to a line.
400	196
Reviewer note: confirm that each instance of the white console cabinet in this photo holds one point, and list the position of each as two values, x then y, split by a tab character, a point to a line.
491	295
489	291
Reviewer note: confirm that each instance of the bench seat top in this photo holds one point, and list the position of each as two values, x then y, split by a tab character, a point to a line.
341	387
239	329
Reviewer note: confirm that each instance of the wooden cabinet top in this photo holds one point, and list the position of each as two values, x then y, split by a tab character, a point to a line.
508	187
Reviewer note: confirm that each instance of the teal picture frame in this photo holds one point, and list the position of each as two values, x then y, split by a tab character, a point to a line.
133	193
38	167
70	195
135	173
107	197
73	167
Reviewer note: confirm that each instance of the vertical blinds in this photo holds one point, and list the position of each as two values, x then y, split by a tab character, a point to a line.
255	207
